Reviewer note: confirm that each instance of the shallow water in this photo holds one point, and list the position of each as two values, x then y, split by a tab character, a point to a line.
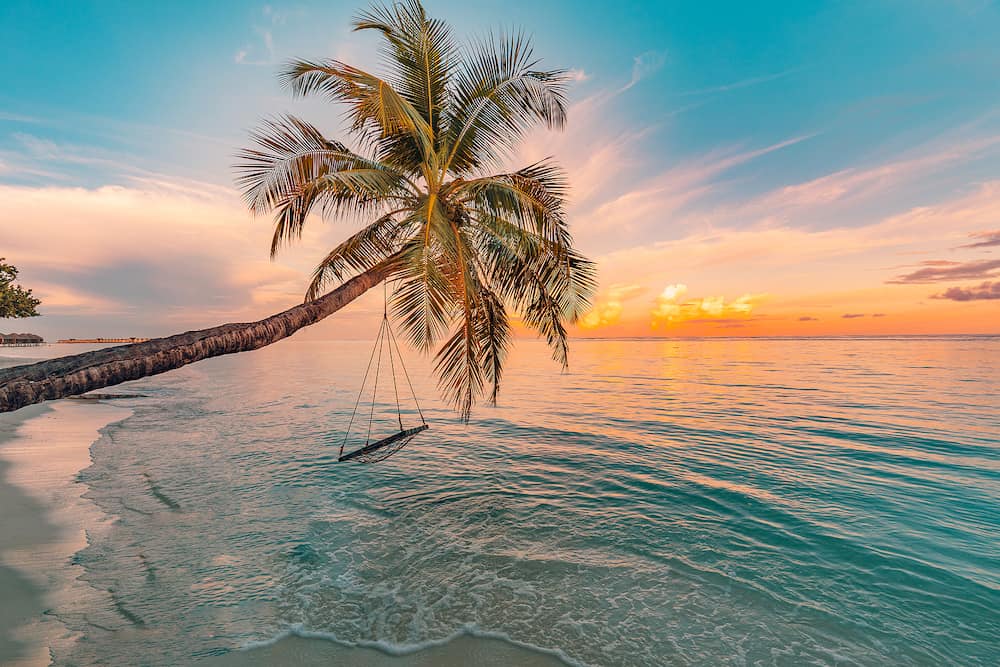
663	503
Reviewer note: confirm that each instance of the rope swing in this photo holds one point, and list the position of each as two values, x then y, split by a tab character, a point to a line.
381	449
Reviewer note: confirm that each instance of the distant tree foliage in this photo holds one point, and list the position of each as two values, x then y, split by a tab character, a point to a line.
15	301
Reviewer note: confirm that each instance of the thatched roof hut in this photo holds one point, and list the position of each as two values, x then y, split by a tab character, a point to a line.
20	339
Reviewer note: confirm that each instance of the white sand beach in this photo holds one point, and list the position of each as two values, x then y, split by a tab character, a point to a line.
45	520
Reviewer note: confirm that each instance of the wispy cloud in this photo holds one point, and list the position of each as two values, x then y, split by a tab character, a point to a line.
257	54
11	166
765	245
18	118
744	83
55	154
659	197
985	291
941	270
261	50
852	316
277	16
62	299
802	267
35	159
856	185
986	240
645	65
619	195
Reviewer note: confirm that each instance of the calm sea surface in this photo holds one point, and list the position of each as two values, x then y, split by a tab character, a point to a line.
734	502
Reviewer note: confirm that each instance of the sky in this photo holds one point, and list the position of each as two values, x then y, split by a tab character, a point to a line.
737	168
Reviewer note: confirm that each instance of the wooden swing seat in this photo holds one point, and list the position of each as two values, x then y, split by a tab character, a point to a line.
374	451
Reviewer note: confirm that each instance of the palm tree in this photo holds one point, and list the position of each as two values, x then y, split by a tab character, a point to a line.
467	243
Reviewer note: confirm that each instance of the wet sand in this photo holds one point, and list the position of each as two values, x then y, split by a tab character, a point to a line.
43	522
23	526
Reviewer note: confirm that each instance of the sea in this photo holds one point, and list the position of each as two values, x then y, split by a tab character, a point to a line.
821	501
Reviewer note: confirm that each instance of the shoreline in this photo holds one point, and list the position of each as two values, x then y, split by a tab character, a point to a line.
23	525
465	647
45	522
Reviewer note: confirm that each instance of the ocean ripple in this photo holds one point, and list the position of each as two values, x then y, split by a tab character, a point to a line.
664	503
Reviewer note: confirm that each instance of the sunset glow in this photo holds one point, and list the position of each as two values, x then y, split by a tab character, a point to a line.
468	334
828	203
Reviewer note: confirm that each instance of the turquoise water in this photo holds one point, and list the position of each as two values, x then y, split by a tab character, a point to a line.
745	502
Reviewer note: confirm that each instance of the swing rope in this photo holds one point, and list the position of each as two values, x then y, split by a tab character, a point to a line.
371	415
357	403
392	338
385	340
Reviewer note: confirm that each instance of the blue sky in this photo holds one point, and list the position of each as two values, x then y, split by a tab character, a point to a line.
697	116
868	77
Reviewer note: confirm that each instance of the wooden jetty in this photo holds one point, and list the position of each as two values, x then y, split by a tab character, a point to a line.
133	339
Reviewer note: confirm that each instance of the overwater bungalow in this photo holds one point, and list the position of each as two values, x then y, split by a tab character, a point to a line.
20	339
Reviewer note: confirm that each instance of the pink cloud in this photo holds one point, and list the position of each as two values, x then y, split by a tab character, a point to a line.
942	270
985	291
985	239
164	253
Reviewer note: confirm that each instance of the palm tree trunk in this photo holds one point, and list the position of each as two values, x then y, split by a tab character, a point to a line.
80	373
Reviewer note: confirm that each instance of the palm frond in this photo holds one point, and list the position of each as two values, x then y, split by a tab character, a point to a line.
460	375
493	330
288	152
544	316
577	278
498	96
423	300
361	251
517	269
293	167
458	364
421	53
533	197
377	110
547	287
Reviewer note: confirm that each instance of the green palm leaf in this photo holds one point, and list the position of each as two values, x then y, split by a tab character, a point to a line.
422	49
361	251
500	95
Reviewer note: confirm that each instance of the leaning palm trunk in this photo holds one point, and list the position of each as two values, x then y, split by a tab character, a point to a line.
80	373
471	244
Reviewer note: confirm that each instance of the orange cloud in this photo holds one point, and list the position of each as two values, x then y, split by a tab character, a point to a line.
608	309
671	309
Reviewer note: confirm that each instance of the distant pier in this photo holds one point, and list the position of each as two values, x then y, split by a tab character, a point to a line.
102	340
